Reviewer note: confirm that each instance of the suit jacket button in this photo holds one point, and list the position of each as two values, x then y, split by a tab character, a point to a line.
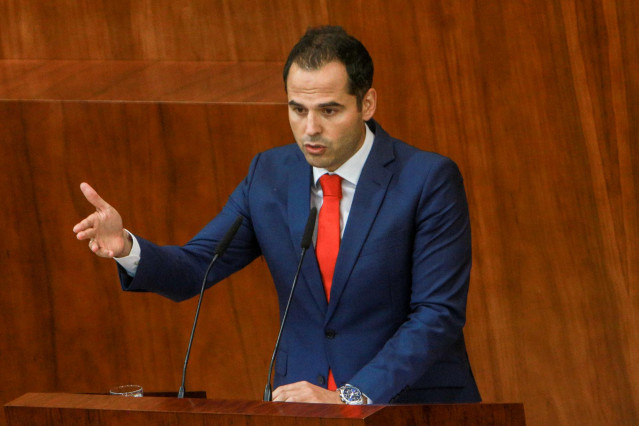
321	380
330	334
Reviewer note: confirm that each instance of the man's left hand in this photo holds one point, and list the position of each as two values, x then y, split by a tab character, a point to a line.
305	392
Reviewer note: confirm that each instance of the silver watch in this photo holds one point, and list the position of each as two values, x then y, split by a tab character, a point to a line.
351	395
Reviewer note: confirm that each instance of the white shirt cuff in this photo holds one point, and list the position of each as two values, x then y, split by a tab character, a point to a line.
130	262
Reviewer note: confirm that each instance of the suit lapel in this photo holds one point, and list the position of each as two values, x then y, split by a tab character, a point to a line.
299	202
369	195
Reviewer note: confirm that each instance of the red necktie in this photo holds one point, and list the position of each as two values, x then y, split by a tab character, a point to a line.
328	238
328	231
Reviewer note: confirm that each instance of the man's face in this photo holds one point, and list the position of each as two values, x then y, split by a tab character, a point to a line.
324	118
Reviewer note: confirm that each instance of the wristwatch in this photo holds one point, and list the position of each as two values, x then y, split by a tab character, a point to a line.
351	395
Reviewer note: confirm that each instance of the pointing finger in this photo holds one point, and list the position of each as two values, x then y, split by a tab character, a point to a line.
92	196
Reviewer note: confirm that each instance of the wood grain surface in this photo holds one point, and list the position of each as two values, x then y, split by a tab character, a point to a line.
74	409
140	81
176	30
67	325
537	102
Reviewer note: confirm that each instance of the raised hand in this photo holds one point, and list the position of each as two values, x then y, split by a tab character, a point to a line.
103	228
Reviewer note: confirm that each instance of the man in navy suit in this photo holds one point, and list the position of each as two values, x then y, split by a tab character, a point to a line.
392	328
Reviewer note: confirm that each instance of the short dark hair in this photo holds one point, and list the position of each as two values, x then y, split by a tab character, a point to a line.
321	45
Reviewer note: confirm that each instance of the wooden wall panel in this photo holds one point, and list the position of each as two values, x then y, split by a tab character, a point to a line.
137	81
168	168
27	339
184	30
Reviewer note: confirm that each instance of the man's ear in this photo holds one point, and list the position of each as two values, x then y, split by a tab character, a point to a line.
369	104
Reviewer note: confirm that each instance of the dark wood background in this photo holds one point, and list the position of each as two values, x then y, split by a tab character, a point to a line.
162	104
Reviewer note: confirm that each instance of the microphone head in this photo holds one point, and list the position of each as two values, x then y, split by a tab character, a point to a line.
223	245
310	228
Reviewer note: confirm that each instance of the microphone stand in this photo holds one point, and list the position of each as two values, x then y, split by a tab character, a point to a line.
306	242
219	251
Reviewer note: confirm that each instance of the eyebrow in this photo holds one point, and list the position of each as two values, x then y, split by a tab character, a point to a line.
330	104
324	105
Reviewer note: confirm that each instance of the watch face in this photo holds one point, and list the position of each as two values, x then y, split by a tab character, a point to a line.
351	394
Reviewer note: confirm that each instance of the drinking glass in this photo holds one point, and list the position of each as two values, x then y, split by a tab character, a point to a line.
127	390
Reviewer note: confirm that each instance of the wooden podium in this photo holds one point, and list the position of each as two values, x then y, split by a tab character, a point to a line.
80	409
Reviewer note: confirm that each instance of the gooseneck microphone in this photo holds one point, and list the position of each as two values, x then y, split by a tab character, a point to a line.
307	238
219	251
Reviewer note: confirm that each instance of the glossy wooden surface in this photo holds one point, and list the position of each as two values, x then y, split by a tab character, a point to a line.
175	30
538	103
139	81
67	325
70	409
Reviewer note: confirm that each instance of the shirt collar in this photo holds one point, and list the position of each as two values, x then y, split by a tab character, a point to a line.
352	168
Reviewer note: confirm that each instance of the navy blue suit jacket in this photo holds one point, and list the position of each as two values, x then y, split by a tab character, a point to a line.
394	324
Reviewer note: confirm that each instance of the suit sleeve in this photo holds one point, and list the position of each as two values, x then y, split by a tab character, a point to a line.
441	262
176	272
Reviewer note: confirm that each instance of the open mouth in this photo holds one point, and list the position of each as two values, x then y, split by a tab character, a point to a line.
314	149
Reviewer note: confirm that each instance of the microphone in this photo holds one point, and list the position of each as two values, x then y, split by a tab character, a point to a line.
219	251
307	238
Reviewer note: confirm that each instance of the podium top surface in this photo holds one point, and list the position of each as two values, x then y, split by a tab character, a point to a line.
64	408
192	405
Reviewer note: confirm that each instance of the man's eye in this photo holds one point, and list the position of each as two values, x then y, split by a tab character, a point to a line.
329	111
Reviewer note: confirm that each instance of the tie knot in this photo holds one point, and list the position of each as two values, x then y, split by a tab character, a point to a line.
331	185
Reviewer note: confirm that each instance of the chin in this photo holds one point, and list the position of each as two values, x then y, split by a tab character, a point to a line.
316	161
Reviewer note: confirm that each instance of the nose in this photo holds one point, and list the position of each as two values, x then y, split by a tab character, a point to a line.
313	126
